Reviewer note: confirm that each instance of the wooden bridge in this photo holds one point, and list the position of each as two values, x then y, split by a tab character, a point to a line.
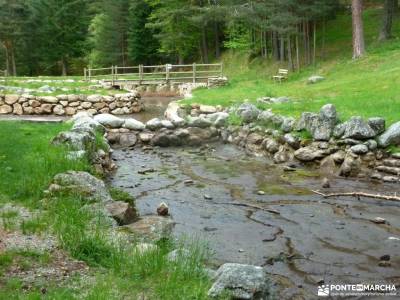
158	74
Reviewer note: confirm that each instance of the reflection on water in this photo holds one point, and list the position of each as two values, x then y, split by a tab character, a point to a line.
154	108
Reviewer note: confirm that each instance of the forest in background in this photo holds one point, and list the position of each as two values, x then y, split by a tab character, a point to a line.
61	37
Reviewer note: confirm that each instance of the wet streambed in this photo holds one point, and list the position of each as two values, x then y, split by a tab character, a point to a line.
298	236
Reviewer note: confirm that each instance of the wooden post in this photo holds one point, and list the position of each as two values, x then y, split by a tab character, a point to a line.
112	75
194	72
84	74
90	73
167	73
115	73
222	70
140	74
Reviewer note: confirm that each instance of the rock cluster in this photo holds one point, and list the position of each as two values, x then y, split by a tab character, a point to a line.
68	105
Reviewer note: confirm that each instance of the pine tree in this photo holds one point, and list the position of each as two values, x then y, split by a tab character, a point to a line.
358	29
61	29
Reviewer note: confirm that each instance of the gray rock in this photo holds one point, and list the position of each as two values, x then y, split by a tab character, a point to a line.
167	124
315	79
109	120
150	228
171	113
248	112
391	136
121	212
48	99
377	124
76	140
201	122
326	123
154	124
81	183
371	144
94	98
291	140
288	124
207	109
241	281
309	154
127	139
283	155
308	121
350	166
218	119
5	109
357	128
359	149
166	139
271	145
133	124
87	124
46	89
266	116
339	129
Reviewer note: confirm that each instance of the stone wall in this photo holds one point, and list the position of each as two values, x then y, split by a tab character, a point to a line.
68	105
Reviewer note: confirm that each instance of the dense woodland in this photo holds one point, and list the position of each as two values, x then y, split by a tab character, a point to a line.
57	37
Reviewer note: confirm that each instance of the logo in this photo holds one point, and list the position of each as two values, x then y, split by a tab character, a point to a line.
323	290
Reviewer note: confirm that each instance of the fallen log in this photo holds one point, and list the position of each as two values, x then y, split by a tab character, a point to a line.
359	195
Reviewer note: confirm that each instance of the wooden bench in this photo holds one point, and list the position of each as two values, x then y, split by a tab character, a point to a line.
282	75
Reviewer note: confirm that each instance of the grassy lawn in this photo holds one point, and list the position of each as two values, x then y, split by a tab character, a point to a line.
28	162
367	87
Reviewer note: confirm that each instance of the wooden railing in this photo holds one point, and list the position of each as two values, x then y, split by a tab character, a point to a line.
159	73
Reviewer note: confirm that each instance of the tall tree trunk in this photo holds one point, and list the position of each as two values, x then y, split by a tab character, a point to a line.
64	66
358	29
297	53
275	43
217	41
314	42
204	44
289	53
282	49
13	64
8	69
386	29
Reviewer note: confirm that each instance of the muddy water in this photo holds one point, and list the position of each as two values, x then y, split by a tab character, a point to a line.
154	107
299	237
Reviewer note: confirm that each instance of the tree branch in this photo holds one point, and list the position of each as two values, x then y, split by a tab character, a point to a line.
358	195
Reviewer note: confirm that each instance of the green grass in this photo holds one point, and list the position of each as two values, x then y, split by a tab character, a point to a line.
28	162
368	87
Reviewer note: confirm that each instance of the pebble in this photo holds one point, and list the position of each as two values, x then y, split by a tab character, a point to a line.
162	209
384	264
325	183
207	197
261	192
379	220
188	181
241	250
385	257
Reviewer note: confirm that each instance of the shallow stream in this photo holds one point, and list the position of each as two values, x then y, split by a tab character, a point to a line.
302	239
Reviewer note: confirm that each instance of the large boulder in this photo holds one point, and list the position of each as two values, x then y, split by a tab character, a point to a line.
122	212
241	282
154	124
76	140
357	128
82	184
201	122
327	120
218	119
391	136
309	154
248	112
151	228
87	124
377	124
133	124
5	109
171	113
315	79
109	120
320	125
